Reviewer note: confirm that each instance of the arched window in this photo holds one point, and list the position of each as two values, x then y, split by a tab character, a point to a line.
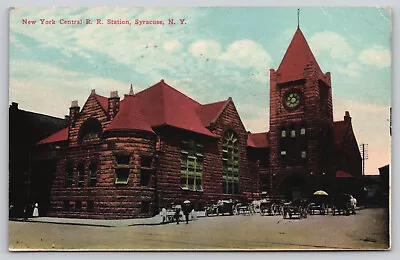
230	163
69	170
92	174
90	129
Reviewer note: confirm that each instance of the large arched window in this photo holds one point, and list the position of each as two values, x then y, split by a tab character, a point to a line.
90	129
230	163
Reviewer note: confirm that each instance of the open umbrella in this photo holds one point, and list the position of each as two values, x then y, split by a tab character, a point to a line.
321	192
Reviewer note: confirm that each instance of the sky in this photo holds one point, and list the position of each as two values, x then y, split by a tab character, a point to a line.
214	54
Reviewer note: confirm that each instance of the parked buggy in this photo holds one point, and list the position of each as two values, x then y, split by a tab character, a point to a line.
343	204
271	207
244	209
220	208
319	204
297	207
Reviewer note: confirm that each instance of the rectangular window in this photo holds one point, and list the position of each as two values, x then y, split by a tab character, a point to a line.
191	165
122	175
78	205
92	174
66	205
81	175
283	133
293	133
303	131
283	152
303	154
145	207
90	206
122	169
146	170
70	174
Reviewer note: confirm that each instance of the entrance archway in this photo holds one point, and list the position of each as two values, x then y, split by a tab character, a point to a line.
294	187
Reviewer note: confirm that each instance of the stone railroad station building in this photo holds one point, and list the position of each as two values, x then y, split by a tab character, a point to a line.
128	157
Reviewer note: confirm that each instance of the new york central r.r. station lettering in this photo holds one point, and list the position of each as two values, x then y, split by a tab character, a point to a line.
106	21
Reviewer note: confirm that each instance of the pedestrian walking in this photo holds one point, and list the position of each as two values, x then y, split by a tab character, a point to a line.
164	215
36	210
186	210
177	214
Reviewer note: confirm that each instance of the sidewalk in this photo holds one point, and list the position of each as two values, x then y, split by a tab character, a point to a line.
156	220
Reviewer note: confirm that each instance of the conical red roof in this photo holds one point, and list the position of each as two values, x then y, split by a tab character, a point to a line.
296	58
129	117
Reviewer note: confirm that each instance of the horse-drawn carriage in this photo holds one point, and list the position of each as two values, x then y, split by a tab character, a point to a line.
297	207
220	208
319	204
271	206
343	203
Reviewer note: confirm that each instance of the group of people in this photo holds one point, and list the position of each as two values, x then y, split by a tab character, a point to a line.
185	208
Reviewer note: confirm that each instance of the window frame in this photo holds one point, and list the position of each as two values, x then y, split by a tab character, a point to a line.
120	166
80	174
230	162
191	165
92	178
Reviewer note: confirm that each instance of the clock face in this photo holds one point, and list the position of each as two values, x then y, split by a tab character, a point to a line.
292	100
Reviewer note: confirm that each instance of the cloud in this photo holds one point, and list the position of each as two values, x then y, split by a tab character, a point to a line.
172	45
376	56
205	48
334	43
247	53
352	69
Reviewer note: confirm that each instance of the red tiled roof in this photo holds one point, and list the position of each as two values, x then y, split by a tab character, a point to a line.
340	131
296	58
129	117
163	105
209	113
156	106
59	136
102	100
343	174
258	140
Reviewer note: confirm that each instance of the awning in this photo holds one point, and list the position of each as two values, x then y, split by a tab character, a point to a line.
343	174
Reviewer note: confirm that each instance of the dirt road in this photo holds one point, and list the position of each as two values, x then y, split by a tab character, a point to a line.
365	230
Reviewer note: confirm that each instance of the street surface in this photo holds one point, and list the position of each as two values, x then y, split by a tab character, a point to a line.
366	230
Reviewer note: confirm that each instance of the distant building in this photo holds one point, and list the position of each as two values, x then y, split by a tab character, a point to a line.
25	130
131	157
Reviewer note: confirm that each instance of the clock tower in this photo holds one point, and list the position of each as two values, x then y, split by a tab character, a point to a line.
301	123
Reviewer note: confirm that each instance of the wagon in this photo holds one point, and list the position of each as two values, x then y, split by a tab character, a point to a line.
319	204
296	207
271	207
244	209
342	203
220	208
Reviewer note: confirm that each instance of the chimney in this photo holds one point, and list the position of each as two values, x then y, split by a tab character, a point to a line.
113	105
93	92
74	112
347	117
131	93
14	105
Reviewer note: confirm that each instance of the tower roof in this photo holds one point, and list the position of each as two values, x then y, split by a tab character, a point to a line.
296	58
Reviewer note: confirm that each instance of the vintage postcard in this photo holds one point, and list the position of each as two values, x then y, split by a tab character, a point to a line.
209	128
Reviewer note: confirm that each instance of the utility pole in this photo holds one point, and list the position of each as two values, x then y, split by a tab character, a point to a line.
364	156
